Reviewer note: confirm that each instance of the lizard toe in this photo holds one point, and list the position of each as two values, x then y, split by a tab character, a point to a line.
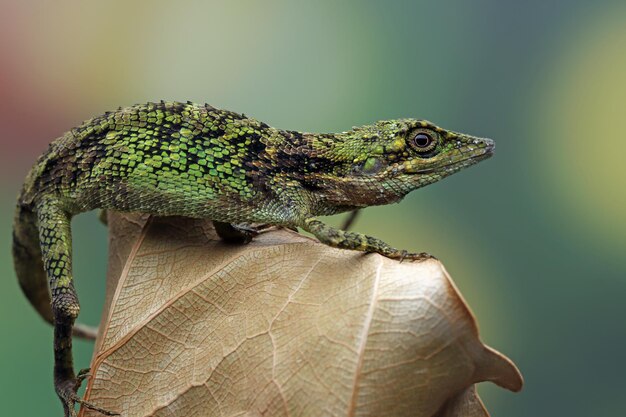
67	391
419	257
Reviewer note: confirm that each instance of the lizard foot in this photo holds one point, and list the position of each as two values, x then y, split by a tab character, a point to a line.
238	233
419	257
67	392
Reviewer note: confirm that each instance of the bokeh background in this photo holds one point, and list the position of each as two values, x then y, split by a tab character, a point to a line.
535	238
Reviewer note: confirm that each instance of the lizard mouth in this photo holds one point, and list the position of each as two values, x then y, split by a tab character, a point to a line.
484	152
472	153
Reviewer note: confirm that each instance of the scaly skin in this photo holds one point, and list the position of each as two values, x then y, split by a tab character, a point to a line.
197	161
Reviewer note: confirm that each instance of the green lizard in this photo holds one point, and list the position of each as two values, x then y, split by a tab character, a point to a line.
194	160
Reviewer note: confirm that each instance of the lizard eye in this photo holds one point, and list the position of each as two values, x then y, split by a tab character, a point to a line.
424	141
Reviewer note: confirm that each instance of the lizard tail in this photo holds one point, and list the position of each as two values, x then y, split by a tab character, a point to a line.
30	271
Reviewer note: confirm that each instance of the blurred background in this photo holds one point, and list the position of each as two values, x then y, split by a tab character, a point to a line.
534	237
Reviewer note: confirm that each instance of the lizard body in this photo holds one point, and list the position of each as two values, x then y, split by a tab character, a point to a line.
194	160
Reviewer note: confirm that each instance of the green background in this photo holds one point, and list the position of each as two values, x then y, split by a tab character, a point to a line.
534	237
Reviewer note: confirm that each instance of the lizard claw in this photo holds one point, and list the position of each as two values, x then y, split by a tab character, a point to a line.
67	392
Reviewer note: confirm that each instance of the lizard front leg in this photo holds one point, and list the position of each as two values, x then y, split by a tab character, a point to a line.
357	241
297	204
56	247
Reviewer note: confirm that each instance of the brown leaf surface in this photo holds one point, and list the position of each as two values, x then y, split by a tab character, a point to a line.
284	326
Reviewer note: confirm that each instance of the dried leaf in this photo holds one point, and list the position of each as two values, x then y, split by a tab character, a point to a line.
465	404
284	326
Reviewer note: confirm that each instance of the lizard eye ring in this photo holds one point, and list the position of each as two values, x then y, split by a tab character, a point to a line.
424	141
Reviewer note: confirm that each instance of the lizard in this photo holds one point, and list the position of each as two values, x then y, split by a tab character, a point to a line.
187	159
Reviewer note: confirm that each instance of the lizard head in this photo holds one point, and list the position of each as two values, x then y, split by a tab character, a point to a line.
382	162
416	151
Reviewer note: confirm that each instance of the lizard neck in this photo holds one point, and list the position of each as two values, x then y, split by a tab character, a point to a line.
328	167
